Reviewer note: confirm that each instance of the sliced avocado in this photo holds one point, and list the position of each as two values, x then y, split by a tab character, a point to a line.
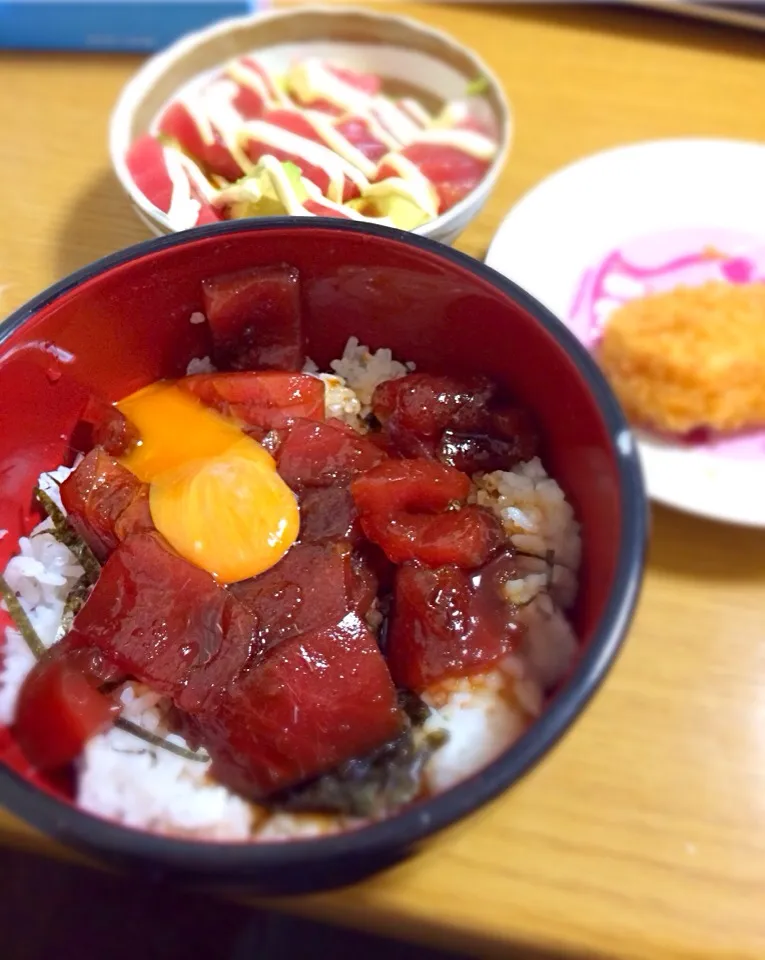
270	189
402	211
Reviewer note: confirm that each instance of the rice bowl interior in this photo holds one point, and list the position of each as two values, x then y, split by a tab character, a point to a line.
541	504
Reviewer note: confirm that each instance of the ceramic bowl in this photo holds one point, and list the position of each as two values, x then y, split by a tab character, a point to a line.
123	322
412	58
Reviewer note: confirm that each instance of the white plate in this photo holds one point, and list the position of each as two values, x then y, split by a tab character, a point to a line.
654	203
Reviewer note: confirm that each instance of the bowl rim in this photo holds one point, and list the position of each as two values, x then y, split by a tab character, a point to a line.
65	822
142	81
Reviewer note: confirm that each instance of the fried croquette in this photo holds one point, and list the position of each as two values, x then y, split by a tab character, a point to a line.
690	358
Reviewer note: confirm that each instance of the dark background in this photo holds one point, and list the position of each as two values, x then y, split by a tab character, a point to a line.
54	911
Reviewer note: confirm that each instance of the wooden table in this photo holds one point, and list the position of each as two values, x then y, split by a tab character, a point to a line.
643	834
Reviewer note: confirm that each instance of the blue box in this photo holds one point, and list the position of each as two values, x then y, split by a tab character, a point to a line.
124	25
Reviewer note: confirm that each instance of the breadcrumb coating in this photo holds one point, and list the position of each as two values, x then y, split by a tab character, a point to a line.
691	358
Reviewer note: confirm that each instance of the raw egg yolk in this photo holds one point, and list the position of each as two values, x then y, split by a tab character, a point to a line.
214	492
174	429
230	514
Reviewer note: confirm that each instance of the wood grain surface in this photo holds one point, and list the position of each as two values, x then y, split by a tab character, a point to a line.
643	834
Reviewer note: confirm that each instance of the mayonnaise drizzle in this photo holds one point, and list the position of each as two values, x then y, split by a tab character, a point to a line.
218	101
393	119
336	168
415	111
310	80
184	209
199	115
339	144
379	132
246	76
470	142
197	177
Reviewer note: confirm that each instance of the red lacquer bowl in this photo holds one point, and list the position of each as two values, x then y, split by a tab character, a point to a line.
124	321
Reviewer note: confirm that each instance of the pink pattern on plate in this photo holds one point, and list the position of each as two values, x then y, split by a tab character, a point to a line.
663	261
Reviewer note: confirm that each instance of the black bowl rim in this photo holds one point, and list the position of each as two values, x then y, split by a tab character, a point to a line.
68	824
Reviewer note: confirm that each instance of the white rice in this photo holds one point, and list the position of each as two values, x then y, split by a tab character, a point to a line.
341	403
200	365
534	511
125	779
481	720
42	575
363	370
348	391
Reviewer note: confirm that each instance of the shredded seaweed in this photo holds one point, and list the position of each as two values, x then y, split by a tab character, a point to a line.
64	534
20	619
74	602
129	727
415	708
383	781
548	558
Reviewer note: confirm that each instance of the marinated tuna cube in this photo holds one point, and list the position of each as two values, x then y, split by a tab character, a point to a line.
323	454
455	421
105	502
167	623
266	400
449	623
481	453
316	700
367	575
515	424
255	319
419	485
328	513
312	586
418	408
60	707
405	509
465	537
111	429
